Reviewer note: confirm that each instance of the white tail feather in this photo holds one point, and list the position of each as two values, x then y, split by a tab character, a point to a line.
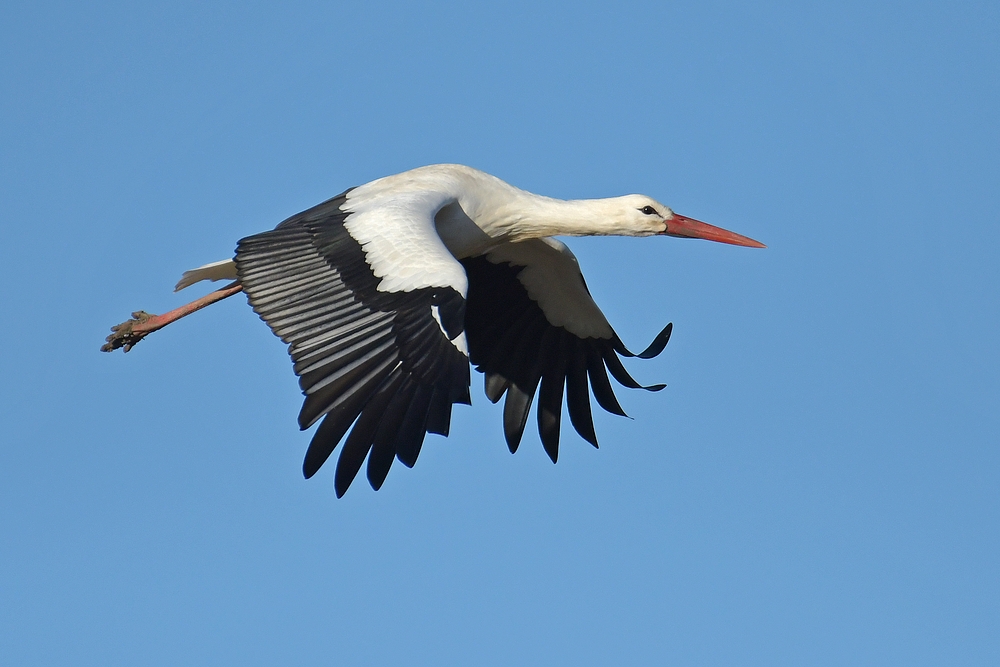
222	270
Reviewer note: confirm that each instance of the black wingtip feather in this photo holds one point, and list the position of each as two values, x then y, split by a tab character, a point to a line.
658	343
515	415
550	396
577	394
439	413
494	385
384	445
410	437
654	348
323	442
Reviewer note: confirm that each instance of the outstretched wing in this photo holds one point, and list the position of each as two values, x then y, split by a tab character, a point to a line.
372	307
530	320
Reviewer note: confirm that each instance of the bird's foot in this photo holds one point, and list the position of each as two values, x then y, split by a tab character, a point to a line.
128	333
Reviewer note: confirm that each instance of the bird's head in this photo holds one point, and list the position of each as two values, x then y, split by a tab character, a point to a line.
647	217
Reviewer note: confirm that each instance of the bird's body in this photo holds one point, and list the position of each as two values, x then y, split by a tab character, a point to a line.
385	294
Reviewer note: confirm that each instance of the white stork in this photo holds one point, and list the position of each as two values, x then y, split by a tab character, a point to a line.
386	293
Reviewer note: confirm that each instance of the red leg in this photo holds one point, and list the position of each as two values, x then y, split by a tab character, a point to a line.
128	333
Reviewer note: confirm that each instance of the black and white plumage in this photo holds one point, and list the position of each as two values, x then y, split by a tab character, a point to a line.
386	293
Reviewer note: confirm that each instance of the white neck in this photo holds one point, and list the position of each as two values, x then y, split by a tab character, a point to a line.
478	210
533	216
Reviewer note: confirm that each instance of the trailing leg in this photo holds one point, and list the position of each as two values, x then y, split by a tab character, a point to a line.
130	332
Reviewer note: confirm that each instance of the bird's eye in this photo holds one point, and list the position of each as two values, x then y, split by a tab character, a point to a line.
648	210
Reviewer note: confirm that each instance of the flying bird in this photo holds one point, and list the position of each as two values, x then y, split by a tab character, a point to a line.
387	292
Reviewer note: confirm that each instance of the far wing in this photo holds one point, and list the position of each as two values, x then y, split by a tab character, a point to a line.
531	321
372	306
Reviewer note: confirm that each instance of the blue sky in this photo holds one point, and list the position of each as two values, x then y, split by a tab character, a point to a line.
818	484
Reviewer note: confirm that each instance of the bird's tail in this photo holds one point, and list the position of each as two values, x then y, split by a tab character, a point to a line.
221	270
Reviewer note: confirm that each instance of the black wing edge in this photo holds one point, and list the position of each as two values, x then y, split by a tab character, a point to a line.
522	354
375	360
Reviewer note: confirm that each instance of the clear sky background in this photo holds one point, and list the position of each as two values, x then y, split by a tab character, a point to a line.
819	484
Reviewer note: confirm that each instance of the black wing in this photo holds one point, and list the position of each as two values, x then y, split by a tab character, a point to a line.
513	341
391	363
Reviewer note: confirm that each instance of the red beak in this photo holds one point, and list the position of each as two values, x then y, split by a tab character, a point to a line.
693	229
